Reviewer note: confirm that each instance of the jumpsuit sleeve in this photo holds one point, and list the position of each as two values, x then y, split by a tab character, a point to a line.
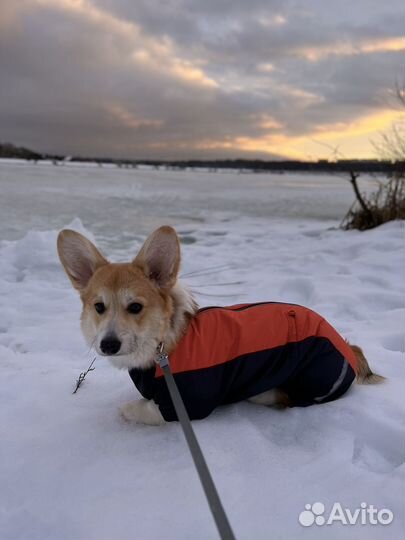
200	393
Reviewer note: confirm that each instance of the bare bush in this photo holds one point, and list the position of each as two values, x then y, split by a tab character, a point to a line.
388	202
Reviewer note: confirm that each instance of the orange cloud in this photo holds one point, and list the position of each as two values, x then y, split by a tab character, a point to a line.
348	49
353	139
127	119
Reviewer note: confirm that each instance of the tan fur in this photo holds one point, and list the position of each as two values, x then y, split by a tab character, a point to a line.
150	279
272	398
364	374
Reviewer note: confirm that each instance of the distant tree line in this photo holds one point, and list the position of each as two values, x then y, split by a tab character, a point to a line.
8	150
386	166
342	165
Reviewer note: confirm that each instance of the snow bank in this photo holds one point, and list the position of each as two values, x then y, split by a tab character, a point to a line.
72	469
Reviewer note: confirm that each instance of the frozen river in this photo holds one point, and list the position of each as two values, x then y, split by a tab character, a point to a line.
119	203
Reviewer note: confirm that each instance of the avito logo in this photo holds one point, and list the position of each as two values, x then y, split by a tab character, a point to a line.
365	514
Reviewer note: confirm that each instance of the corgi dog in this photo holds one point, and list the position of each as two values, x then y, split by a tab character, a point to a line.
269	353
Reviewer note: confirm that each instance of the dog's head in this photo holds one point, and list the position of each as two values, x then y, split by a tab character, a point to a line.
127	308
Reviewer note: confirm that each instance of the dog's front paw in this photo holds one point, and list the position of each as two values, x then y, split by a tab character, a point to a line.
130	411
142	411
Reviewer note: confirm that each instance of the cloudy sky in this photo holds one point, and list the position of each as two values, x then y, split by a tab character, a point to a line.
199	78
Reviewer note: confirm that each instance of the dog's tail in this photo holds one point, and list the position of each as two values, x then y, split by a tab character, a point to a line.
364	374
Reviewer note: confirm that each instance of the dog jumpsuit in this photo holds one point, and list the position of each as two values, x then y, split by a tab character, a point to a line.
230	354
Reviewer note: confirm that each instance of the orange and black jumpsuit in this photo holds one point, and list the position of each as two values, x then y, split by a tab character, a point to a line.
230	354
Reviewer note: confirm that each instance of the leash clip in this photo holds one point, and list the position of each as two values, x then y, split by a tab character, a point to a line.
161	358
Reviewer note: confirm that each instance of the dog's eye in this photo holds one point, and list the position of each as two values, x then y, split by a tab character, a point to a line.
134	308
99	307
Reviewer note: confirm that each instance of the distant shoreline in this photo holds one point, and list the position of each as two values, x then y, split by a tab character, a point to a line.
12	152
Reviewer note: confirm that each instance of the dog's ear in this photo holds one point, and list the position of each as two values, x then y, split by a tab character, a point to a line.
80	258
159	257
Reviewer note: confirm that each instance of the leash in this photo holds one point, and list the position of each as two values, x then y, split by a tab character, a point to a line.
214	502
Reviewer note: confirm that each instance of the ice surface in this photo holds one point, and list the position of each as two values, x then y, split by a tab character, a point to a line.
119	205
71	469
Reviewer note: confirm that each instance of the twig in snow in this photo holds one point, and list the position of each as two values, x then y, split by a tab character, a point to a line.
83	374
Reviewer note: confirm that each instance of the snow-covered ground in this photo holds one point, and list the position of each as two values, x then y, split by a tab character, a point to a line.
71	469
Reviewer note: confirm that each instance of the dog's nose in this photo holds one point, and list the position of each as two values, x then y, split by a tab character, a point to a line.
110	345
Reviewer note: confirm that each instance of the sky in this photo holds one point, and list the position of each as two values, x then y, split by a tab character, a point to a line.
184	79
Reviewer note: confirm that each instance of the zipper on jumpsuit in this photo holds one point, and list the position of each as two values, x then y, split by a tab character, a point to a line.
292	325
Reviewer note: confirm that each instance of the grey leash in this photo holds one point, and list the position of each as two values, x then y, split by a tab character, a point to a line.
207	482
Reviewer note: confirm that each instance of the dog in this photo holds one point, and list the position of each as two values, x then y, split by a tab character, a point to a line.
269	353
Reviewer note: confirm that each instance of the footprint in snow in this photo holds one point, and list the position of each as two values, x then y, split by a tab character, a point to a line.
394	342
378	447
188	239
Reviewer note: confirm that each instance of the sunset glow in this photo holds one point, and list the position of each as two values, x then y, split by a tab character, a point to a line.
194	80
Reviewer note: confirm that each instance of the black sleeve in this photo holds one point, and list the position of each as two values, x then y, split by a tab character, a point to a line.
199	390
144	380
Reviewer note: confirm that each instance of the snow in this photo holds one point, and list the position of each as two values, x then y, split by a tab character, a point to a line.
72	469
